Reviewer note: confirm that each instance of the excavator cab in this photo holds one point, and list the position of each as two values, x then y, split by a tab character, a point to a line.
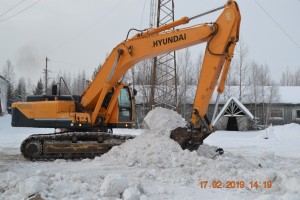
123	112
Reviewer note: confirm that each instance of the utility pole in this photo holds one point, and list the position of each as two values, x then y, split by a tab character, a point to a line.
46	76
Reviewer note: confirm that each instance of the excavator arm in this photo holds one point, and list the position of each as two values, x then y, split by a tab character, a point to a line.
217	59
221	37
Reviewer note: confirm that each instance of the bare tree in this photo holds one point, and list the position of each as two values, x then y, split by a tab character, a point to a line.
143	79
129	76
273	96
297	78
289	78
255	90
185	74
241	67
239	73
265	80
286	79
231	80
9	74
196	69
143	73
78	83
263	90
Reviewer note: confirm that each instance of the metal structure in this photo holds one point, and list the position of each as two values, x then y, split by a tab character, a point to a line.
233	108
163	77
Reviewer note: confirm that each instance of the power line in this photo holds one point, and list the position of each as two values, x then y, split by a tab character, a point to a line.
20	11
88	28
12	8
143	14
278	25
66	63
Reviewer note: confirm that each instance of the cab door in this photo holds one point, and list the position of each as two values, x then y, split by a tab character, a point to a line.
125	105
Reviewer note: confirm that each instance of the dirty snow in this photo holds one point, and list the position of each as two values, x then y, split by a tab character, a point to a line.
152	166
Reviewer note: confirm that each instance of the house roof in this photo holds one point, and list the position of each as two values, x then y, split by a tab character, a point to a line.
290	94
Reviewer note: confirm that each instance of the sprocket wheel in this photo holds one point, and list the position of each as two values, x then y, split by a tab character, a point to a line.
33	149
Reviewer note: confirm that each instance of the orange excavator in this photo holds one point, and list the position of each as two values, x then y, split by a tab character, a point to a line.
107	103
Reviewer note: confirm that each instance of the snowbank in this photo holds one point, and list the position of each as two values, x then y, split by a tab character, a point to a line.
282	141
153	166
155	148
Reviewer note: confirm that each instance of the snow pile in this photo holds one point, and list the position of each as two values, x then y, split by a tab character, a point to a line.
116	186
161	119
113	185
132	193
285	133
30	186
154	147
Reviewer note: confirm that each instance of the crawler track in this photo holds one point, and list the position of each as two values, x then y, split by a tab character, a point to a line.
69	145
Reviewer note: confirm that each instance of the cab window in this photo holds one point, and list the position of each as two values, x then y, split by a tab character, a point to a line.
125	107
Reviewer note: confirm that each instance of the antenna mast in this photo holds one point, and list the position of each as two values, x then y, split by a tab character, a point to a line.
163	75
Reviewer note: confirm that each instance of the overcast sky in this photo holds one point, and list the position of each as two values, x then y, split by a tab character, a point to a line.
78	34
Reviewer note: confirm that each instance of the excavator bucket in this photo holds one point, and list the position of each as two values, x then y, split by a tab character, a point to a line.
189	139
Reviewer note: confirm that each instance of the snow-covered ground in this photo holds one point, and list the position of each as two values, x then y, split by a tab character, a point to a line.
152	166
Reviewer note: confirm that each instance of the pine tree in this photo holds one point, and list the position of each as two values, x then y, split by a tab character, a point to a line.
9	95
96	71
39	89
20	91
9	74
